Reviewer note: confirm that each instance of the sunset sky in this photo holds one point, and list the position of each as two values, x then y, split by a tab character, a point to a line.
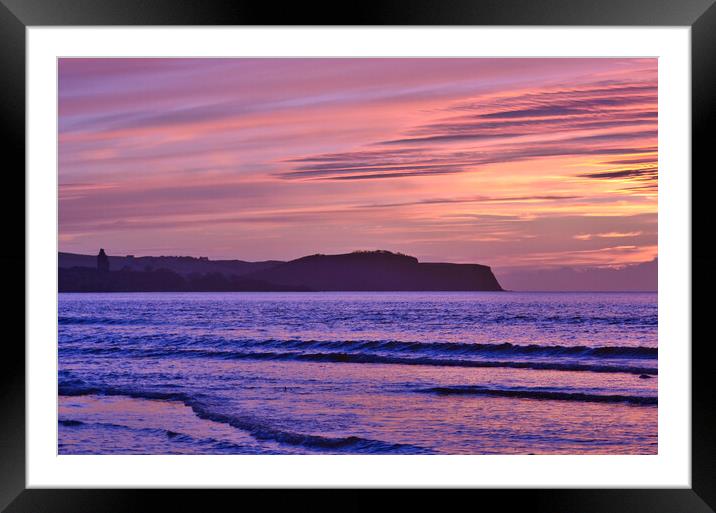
511	163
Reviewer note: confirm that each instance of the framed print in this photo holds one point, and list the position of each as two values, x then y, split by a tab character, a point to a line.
412	248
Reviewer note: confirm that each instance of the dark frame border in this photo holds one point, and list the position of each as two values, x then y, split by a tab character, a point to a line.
700	15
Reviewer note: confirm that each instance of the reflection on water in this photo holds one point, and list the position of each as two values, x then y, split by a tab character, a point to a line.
358	373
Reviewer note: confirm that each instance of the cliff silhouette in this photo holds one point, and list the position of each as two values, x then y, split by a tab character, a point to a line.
357	271
379	271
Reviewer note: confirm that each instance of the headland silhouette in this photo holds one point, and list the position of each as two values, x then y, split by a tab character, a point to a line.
358	271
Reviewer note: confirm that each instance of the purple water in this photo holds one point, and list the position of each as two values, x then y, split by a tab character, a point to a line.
358	373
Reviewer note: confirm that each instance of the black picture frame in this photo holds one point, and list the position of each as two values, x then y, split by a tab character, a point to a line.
17	15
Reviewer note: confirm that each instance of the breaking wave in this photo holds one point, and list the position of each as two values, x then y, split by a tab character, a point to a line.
541	394
588	365
258	430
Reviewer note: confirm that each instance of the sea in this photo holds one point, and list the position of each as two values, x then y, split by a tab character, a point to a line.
357	373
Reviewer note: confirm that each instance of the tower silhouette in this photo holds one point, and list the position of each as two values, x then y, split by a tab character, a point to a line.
102	261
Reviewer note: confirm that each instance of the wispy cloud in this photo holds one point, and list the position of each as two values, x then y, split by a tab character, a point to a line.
503	134
509	162
608	235
647	173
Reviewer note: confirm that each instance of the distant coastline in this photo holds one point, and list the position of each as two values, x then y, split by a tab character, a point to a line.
357	271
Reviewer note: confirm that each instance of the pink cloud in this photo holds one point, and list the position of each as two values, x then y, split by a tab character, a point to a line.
500	161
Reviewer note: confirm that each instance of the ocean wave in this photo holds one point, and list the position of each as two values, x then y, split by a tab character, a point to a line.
428	348
352	444
466	348
70	423
540	394
372	358
70	320
211	444
483	319
77	387
257	429
642	319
